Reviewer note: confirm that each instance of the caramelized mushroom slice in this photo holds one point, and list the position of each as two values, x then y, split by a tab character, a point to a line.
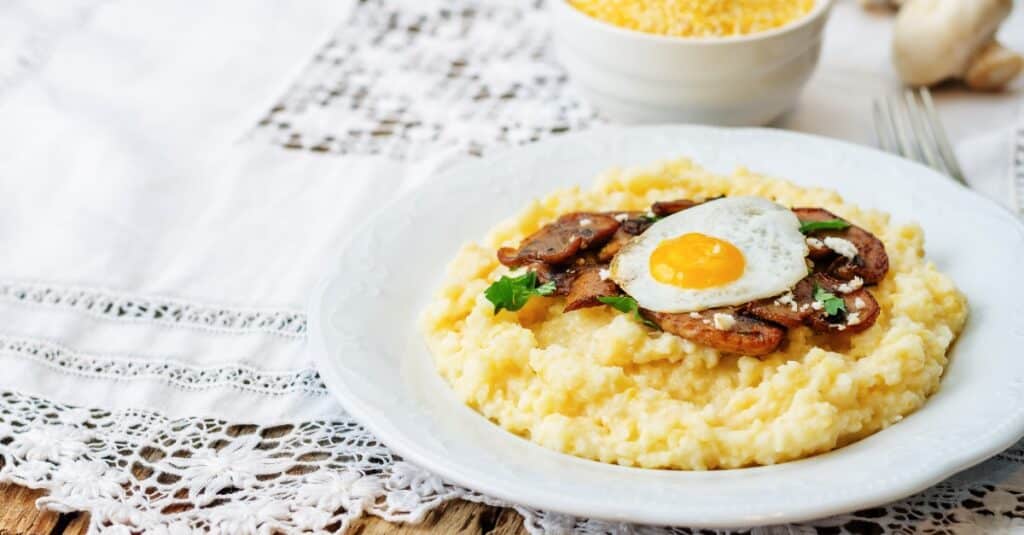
558	242
614	245
547	273
667	208
747	336
871	266
587	285
790	309
861	308
635	225
871	262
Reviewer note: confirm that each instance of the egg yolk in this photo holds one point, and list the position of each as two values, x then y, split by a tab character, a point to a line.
696	261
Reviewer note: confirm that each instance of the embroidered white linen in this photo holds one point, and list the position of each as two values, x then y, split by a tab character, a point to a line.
158	251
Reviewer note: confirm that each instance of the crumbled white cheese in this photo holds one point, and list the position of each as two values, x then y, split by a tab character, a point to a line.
838	326
707	322
586	221
787	299
724	322
804	307
853	318
650	215
851	286
859	303
604	274
621	217
841	246
815	242
817	305
695	315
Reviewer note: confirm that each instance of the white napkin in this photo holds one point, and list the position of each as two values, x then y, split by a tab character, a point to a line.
125	175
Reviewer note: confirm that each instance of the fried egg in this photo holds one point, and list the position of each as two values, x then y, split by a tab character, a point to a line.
723	252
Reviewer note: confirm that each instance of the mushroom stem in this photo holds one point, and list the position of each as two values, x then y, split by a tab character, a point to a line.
993	67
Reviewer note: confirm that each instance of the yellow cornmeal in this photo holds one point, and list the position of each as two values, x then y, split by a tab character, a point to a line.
696	18
597	384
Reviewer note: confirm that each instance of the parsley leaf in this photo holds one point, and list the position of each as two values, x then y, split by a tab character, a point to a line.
545	289
829	224
627	305
832	303
511	293
650	217
622	303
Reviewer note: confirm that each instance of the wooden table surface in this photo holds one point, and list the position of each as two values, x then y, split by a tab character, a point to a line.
19	516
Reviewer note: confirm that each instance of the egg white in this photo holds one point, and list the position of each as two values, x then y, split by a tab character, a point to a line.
768	234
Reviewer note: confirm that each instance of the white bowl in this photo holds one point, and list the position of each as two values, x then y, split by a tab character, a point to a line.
637	77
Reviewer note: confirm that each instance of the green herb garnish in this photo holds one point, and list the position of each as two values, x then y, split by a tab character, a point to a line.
829	224
627	305
511	293
829	300
650	217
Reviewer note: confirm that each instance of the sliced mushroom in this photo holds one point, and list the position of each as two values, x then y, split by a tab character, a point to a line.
790	309
667	208
634	225
558	242
871	262
587	286
747	335
610	249
548	273
859	302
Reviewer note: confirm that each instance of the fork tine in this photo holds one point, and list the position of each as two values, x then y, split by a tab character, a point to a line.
945	150
907	142
883	127
925	136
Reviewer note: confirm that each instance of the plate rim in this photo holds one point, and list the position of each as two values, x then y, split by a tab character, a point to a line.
998	439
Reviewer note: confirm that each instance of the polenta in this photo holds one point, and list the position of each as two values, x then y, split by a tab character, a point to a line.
597	384
696	18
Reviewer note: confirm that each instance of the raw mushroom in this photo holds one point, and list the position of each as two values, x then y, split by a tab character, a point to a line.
935	40
993	67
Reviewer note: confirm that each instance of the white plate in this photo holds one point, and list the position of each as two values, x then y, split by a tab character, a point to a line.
371	355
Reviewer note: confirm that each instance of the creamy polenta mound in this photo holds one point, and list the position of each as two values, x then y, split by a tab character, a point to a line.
696	18
597	384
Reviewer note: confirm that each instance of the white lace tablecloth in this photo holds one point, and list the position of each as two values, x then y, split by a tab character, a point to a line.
175	177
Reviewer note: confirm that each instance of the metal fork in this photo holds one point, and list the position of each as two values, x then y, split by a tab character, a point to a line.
906	124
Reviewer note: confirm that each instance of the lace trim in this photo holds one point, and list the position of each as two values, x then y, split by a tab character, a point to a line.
409	79
142	471
164	311
174	373
137	470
